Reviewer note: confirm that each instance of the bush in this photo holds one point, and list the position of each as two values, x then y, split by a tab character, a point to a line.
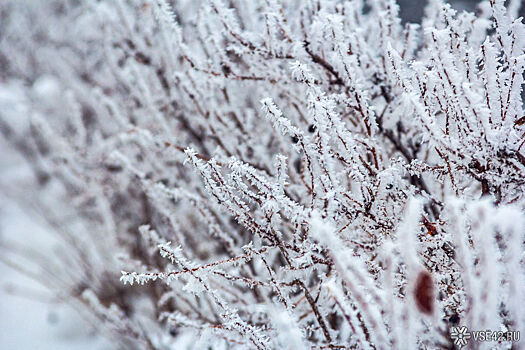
273	174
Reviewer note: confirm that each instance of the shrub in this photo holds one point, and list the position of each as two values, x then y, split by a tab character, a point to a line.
273	174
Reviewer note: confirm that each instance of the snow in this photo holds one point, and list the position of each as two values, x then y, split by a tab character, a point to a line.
29	319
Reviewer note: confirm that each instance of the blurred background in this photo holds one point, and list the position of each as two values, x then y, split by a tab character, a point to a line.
412	10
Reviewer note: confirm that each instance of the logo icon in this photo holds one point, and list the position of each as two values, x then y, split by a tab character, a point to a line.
460	335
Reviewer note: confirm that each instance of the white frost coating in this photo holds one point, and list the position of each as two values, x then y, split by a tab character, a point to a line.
270	174
290	337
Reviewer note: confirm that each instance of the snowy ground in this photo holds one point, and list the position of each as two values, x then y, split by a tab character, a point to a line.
28	320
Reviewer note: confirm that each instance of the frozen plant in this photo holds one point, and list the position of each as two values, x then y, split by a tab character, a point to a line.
273	174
